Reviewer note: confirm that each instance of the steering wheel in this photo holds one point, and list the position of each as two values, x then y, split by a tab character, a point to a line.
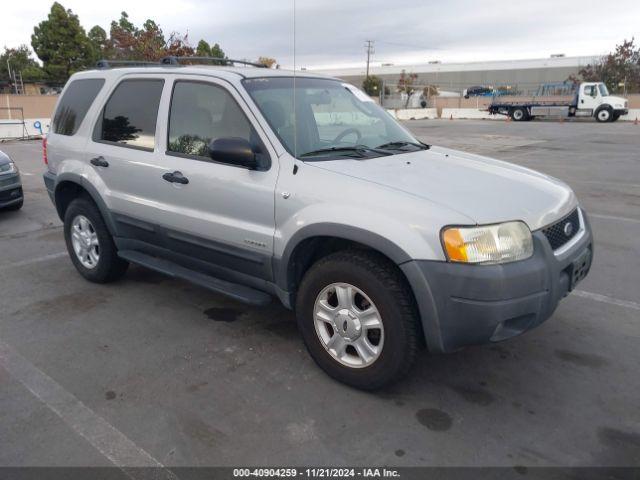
346	132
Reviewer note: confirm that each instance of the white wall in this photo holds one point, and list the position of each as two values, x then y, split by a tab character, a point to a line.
14	129
414	113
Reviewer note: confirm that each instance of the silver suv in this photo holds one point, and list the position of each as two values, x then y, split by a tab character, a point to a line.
256	183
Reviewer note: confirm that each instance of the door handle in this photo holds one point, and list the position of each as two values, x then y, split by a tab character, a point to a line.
175	177
99	162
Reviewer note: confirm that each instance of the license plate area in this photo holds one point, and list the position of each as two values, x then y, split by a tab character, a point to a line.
579	268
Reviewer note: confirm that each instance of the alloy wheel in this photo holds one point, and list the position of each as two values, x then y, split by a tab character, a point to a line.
348	325
84	240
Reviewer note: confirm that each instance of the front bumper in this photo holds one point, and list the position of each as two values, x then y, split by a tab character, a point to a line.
621	111
464	305
10	190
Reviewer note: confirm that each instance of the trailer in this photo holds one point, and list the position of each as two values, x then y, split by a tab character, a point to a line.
588	99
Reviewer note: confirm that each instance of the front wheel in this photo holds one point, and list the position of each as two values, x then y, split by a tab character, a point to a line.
604	115
358	319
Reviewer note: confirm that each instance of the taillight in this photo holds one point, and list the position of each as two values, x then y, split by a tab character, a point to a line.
44	150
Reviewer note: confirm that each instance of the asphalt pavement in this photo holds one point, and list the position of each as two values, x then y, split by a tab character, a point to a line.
156	371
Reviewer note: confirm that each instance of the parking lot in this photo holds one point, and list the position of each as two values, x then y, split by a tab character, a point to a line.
171	374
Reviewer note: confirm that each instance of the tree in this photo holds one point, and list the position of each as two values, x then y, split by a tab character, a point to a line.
268	62
178	46
20	61
620	69
217	52
372	85
406	84
148	43
61	44
132	43
203	49
100	45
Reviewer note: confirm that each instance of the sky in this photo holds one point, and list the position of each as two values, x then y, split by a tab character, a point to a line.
330	33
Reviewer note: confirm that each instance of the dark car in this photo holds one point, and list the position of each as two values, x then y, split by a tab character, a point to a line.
11	196
478	91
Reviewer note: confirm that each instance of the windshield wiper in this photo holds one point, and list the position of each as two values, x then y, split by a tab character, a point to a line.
401	144
359	150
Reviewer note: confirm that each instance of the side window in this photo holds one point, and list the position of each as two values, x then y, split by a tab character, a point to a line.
74	105
590	90
202	112
130	115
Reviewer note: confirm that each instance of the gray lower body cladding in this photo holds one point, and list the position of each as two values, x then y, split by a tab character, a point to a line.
464	305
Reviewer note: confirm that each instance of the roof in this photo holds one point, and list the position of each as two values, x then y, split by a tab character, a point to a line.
225	72
553	62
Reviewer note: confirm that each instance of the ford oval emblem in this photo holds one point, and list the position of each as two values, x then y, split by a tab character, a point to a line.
568	229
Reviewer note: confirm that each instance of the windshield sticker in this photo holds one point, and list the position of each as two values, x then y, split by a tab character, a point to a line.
359	94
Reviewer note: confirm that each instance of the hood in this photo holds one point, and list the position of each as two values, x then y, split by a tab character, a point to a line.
4	158
616	102
484	189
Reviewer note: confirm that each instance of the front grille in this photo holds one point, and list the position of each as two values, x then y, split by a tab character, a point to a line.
5	182
562	231
12	194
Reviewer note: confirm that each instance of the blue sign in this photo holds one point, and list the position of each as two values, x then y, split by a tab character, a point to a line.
37	125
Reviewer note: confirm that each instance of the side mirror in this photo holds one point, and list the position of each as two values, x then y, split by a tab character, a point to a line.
234	151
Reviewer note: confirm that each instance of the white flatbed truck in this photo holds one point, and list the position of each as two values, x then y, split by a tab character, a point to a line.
589	99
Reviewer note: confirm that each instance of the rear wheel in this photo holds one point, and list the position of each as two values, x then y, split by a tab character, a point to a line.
90	244
604	114
358	320
519	114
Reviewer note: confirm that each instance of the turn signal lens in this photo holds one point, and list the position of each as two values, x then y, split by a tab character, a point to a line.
491	244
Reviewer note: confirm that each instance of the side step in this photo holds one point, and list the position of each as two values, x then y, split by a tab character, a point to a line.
238	292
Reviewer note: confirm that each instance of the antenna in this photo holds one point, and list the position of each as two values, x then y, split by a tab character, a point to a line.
295	128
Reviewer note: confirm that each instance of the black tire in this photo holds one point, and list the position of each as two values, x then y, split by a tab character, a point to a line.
383	283
519	114
109	267
604	114
615	117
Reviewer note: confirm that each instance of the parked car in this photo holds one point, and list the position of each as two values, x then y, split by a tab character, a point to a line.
380	243
11	196
477	91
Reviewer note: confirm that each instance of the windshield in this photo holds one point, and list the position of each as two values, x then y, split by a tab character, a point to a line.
603	89
332	119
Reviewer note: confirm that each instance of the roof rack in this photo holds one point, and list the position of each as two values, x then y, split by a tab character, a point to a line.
173	60
127	63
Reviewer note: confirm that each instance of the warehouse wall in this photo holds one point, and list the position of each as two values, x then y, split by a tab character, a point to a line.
34	106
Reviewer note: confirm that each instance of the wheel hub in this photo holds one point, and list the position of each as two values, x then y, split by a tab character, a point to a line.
84	240
348	324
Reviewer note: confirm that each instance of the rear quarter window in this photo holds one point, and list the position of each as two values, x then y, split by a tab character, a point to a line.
74	104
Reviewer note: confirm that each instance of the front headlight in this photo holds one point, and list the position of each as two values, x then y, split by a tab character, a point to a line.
7	168
490	244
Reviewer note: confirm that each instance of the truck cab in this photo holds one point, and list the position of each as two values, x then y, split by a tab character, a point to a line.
593	100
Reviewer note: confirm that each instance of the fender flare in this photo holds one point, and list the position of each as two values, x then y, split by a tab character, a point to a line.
337	230
69	177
